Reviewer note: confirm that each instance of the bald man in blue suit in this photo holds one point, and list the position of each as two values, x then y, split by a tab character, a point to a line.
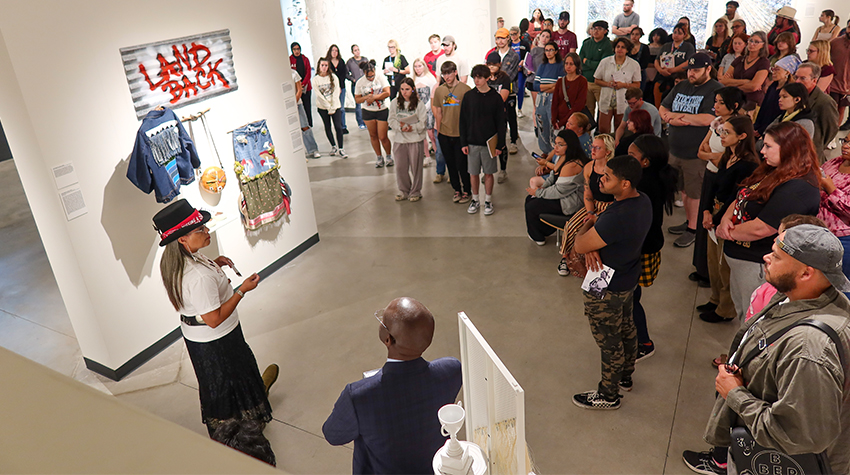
392	416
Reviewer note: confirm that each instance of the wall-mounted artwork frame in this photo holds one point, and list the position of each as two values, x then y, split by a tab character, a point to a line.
180	71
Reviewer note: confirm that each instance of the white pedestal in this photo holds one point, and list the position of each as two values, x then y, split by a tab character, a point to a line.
479	460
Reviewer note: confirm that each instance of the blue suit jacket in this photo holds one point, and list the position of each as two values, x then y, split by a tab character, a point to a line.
392	416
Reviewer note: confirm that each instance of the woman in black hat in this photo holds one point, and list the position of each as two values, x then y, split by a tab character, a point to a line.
229	382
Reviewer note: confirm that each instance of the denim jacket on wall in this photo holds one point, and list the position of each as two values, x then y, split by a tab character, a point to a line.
164	157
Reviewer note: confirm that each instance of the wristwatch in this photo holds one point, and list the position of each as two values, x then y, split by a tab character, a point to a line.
241	294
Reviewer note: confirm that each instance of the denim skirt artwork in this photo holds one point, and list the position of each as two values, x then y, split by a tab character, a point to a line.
265	196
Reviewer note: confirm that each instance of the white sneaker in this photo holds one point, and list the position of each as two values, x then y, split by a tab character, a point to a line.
427	162
379	162
519	114
474	205
342	153
334	151
390	161
502	176
488	208
316	154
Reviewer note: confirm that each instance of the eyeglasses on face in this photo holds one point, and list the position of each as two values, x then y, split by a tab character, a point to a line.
380	316
753	41
550	50
596	147
202	229
811	50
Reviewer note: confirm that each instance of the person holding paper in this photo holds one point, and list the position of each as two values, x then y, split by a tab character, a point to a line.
482	136
615	240
396	67
229	383
407	119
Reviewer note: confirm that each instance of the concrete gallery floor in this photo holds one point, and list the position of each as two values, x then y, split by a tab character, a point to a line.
314	318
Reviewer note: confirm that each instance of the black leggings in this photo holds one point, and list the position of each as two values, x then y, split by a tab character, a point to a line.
337	125
639	316
534	207
305	99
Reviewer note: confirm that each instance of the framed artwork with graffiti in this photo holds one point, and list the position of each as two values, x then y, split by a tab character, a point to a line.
178	72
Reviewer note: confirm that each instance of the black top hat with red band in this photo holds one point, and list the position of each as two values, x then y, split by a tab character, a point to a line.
178	219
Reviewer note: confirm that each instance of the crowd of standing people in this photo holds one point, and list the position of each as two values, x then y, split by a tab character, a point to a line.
736	132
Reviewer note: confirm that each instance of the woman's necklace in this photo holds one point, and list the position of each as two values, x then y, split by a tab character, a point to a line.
749	62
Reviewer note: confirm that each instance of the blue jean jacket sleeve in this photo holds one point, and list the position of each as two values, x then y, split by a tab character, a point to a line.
138	171
341	426
164	156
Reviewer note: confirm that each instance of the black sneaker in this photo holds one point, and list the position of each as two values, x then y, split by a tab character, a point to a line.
706	307
626	384
645	350
594	400
562	267
678	229
702	462
713	317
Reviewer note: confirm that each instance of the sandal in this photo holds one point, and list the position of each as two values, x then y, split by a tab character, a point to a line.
722	359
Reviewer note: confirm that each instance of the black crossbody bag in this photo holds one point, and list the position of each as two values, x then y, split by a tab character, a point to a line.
751	458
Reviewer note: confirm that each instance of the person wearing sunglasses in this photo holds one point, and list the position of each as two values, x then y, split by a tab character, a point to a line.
392	415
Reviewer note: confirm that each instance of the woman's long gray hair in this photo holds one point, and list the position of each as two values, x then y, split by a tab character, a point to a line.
171	267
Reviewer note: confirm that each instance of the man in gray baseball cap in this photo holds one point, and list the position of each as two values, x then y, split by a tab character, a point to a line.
789	393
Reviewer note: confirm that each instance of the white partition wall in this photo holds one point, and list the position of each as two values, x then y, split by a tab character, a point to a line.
64	98
494	402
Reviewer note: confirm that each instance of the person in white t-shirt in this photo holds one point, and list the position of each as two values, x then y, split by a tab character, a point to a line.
426	84
372	90
450	50
229	382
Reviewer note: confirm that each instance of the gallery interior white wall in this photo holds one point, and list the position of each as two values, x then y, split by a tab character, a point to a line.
64	97
372	23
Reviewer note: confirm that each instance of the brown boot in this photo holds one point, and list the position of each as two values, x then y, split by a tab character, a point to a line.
270	376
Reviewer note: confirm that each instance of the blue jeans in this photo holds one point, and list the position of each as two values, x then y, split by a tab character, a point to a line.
441	160
342	106
253	148
307	135
520	88
544	121
358	114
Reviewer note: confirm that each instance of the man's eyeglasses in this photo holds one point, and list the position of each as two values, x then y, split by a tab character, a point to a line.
380	316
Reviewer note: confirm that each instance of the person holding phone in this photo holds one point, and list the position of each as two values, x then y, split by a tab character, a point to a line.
229	382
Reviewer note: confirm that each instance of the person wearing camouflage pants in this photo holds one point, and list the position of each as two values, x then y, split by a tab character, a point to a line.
614	330
612	246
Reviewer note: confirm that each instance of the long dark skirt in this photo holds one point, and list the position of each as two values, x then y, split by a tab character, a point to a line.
229	381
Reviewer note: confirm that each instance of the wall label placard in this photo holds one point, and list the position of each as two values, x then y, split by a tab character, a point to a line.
179	72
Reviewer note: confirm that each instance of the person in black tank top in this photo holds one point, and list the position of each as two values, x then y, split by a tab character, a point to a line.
595	202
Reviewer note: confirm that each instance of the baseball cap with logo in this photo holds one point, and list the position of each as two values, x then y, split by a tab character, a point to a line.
699	60
817	247
502	33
